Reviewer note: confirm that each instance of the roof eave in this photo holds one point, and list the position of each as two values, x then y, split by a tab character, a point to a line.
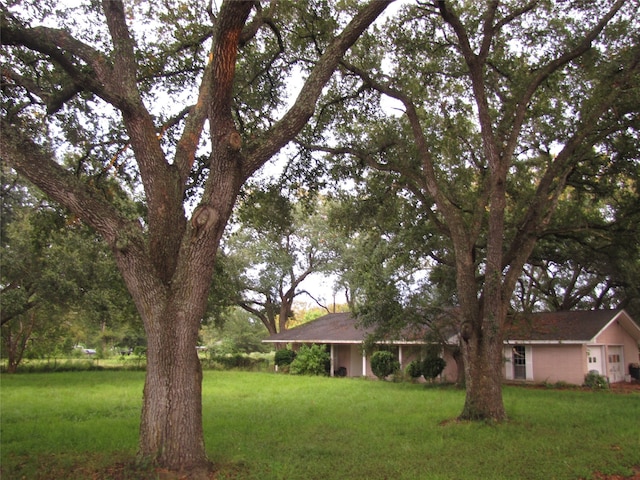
546	342
291	340
356	342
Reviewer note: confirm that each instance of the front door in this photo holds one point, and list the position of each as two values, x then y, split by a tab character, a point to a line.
519	362
594	360
614	364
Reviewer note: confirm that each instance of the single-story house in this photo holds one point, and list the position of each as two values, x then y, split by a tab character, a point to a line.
539	347
340	332
564	346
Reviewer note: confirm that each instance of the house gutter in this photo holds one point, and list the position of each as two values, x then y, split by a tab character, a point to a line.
547	342
346	342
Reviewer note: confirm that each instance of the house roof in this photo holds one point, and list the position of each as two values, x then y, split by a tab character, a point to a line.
339	328
552	327
581	326
331	328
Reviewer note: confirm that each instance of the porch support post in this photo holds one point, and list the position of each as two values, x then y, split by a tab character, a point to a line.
400	356
332	367
364	364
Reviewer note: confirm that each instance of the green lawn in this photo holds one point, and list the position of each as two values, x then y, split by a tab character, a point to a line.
266	426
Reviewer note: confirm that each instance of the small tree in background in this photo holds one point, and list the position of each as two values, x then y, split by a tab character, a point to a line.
234	331
383	364
279	243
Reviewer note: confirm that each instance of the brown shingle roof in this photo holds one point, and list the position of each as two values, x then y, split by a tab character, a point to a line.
571	326
576	326
331	328
337	328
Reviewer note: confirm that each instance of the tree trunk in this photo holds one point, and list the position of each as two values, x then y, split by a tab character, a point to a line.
482	352
171	431
171	426
13	358
16	342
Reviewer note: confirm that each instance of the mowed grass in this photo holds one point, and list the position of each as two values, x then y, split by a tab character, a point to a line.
267	426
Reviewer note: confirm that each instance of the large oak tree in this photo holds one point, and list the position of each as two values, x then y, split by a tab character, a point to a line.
495	105
107	92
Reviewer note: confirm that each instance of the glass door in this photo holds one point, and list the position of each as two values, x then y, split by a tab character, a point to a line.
519	363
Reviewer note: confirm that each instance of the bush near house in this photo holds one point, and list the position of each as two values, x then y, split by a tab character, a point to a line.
311	360
284	357
383	364
414	369
596	381
433	366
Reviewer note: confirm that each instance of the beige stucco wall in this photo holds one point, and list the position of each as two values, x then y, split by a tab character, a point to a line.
409	354
349	356
550	363
355	362
615	335
559	363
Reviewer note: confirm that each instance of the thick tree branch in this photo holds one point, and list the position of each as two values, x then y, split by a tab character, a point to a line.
91	70
262	17
304	106
124	62
542	74
53	101
37	165
455	225
72	55
493	189
190	138
411	180
488	30
554	180
518	12
464	44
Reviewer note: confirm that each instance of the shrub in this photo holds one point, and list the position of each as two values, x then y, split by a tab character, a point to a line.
414	369
140	351
69	365
383	364
284	357
236	361
313	360
433	366
596	381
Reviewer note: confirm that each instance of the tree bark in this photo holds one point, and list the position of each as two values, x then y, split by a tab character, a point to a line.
482	352
171	425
